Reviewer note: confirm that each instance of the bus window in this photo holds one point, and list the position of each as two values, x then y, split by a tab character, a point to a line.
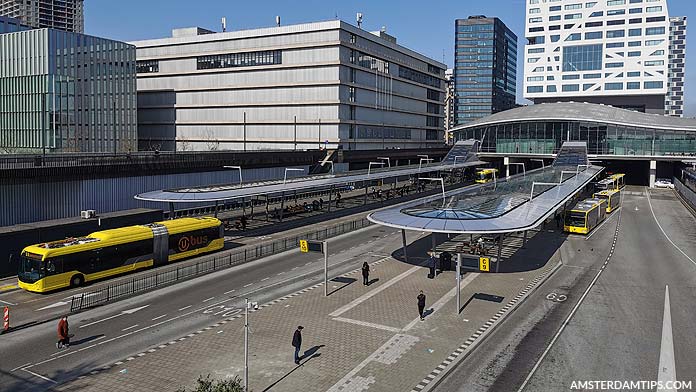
576	219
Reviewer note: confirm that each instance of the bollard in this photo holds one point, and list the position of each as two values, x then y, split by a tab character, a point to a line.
6	319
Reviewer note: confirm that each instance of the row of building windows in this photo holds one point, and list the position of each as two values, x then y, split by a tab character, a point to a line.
613	86
247	59
147	66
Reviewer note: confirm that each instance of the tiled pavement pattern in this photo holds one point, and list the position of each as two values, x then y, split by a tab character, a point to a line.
375	343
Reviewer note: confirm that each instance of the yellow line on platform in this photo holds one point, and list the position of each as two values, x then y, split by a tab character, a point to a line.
8	287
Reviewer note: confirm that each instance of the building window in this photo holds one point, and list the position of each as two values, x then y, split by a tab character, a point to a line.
615	33
654	63
582	58
614	65
653	9
654	42
592	76
535	89
654	30
593	35
633	85
587	86
590	4
594	24
655	19
634	32
233	60
571	77
536	20
570	7
433	95
633	44
633	74
572	16
147	66
370	62
651	85
554	18
551	88
613	86
635	11
574	37
615	2
351	94
419	77
615	22
353	38
433	108
597	14
634	54
570	87
535	10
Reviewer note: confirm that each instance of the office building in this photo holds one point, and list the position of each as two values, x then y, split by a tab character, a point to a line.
485	68
57	14
10	25
307	86
674	101
66	92
613	52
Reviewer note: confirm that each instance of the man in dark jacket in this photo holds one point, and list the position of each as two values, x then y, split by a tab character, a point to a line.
366	273
297	343
421	304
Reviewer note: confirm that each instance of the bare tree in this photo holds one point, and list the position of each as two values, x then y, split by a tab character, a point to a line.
211	141
184	145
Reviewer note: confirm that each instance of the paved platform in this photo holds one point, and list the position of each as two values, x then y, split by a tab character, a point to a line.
358	338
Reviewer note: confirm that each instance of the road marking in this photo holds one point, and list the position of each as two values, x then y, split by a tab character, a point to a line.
55	305
131	327
206	300
368	324
227	292
7	303
247	285
667	370
40	376
19	367
129	311
8	287
281	273
159	317
665	234
572	312
374	292
184	308
264	279
444	299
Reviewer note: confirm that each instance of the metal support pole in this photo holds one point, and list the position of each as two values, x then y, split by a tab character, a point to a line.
295	126
171	210
282	205
252	208
330	195
403	240
113	112
524	240
432	238
216	208
500	252
266	208
244	131
365	199
326	268
243	206
246	346
459	283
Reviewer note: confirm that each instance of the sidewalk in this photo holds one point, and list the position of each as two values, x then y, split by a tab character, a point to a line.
356	339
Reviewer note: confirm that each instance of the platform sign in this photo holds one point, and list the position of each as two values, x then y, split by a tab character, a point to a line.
311	246
484	264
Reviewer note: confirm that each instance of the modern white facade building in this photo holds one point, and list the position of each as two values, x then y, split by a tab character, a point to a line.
674	102
613	52
307	86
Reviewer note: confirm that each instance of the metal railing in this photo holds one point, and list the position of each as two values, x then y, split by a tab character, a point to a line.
687	194
226	259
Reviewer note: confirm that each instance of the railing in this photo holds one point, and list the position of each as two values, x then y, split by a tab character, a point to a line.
164	277
686	193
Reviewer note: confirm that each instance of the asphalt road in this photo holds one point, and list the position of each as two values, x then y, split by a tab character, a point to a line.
618	331
30	360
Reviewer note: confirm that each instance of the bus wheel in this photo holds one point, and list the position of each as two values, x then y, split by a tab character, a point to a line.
76	281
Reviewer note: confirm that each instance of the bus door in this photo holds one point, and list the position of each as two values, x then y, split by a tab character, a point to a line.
160	251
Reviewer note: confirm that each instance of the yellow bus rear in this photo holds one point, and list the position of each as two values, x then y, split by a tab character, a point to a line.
486	175
612	198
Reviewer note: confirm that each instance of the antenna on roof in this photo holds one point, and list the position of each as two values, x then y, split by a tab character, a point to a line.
278	20
224	24
358	18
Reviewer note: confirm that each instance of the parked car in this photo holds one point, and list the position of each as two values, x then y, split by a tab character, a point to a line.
664	183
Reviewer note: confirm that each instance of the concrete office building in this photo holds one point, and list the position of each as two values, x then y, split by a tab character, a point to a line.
307	86
613	52
674	102
485	68
10	25
65	15
66	92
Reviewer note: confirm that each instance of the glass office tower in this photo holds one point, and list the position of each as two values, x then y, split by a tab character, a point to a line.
66	92
485	68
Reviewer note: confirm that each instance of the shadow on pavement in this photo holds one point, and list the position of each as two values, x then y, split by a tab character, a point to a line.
309	354
21	381
371	281
341	279
85	340
482	297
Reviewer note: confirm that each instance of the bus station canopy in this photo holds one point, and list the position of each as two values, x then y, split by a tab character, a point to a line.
517	203
461	156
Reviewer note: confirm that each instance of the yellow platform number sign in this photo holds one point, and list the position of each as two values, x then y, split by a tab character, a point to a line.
304	246
484	264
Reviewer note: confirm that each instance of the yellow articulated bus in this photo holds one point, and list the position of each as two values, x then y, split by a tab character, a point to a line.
74	261
619	180
613	199
585	216
486	175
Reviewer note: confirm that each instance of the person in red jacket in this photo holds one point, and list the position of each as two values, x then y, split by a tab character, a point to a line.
63	333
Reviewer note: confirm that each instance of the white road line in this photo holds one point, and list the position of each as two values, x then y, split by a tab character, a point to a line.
247	285
206	300
665	234
8	303
444	299
264	279
159	317
19	367
281	273
40	376
368	324
131	327
374	292
184	308
227	292
565	322
668	369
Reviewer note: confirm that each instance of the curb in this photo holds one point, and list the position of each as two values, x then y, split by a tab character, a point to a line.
436	376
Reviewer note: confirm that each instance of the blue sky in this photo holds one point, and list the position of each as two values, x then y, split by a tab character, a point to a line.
424	26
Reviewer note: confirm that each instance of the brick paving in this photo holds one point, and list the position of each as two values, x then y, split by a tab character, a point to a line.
358	339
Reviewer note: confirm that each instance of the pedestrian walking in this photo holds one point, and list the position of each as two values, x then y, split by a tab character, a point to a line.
297	343
321	203
421	304
432	264
366	273
63	333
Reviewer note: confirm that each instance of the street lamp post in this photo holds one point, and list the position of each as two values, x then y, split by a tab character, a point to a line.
249	305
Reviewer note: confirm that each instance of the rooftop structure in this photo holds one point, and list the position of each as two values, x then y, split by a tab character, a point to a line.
514	204
65	15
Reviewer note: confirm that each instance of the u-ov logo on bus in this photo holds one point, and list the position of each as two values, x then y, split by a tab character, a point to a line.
184	244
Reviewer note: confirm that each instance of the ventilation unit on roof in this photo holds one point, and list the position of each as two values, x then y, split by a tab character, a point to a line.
88	214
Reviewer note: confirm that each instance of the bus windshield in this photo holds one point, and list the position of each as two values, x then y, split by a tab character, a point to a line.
576	219
30	270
